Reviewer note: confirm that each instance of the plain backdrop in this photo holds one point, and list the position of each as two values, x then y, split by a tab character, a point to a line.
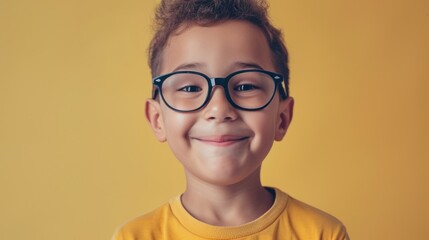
77	158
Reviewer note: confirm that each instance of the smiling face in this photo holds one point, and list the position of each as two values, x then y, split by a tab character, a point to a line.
219	144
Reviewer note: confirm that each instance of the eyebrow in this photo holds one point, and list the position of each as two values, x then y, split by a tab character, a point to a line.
189	66
235	65
252	65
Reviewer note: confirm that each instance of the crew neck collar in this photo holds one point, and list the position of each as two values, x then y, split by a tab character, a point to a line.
205	230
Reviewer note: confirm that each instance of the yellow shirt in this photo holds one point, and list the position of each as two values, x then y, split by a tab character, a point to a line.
288	218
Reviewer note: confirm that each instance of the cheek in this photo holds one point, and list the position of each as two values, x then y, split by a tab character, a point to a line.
177	124
263	127
264	123
176	129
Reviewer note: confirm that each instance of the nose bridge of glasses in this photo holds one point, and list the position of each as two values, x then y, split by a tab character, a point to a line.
218	82
219	99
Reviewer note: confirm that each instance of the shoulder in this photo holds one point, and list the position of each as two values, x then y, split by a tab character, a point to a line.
306	220
309	213
146	226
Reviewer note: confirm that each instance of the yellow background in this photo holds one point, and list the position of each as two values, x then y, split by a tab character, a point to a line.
77	158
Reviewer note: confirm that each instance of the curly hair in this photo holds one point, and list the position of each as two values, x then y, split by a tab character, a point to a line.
174	14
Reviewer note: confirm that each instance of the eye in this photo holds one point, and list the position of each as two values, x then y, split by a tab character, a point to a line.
190	89
245	87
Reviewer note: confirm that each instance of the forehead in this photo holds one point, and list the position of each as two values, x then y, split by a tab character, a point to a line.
216	49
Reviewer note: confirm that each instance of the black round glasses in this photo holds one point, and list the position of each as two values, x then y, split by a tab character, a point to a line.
250	89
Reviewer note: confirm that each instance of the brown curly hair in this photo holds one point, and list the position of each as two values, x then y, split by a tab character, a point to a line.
172	14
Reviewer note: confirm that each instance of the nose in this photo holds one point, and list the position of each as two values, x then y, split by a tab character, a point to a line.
218	108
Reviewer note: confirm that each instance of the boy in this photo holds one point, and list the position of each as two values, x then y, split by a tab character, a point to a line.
219	102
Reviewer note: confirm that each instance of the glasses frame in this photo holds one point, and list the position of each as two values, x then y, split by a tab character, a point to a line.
212	82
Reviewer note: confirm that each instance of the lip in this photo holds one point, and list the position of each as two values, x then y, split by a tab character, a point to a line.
222	140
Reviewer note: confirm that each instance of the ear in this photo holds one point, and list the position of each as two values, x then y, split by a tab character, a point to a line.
284	118
154	117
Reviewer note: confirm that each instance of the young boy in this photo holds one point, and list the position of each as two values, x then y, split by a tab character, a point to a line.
220	99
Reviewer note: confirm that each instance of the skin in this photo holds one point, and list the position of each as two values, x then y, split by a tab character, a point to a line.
221	148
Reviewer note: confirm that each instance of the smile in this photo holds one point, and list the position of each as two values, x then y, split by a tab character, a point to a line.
224	140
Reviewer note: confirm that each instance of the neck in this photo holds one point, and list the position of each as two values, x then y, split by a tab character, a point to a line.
226	205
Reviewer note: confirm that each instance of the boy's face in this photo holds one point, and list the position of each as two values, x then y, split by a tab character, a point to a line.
219	144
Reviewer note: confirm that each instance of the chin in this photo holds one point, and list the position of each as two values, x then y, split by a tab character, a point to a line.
226	177
223	182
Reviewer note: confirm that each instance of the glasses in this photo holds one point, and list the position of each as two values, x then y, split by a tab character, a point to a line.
186	91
